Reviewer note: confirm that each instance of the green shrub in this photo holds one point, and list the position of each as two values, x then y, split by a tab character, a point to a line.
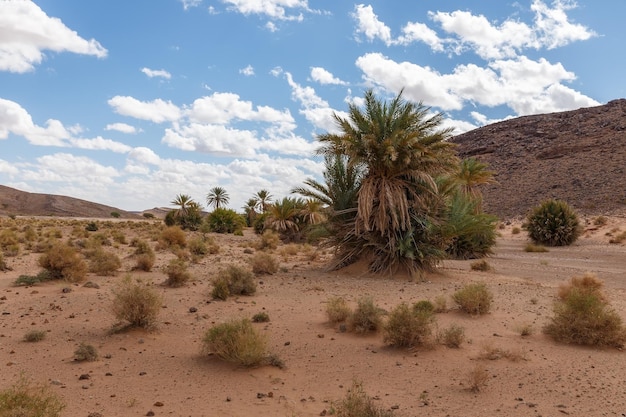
233	280
236	341
264	263
337	310
582	315
367	317
223	220
148	215
85	353
25	399
35	336
259	223
63	261
474	233
553	223
136	303
474	298
358	404
177	273
261	317
408	327
27	280
424	306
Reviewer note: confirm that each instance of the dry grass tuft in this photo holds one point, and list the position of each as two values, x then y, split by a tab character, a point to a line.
85	353
236	341
264	263
25	399
63	261
136	303
474	298
177	273
337	310
481	265
408	327
357	403
35	336
367	317
535	248
233	280
477	378
453	336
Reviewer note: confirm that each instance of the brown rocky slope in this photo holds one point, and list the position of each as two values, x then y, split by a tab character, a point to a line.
578	156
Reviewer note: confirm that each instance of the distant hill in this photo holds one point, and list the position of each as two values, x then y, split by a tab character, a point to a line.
23	203
578	156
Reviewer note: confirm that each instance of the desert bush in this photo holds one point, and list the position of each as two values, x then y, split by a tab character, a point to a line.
474	298
198	246
452	336
259	223
366	317
481	265
223	220
104	263
423	306
534	248
148	215
35	336
173	236
358	404
600	221
119	236
27	280
261	317
268	240
85	353
233	280
618	238
407	327
516	230
177	273
477	378
25	399
525	329
264	263
63	261
492	353
441	304
136	303
144	255
236	341
337	310
553	223
582	315
3	263
92	227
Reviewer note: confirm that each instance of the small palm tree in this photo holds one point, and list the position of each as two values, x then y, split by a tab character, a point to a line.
182	201
217	197
250	210
263	199
470	175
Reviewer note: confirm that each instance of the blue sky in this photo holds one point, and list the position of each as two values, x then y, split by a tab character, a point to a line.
129	103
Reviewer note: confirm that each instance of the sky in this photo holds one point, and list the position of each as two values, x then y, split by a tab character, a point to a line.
131	103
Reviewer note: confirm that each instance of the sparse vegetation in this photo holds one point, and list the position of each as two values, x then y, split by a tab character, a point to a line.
33	336
233	280
553	223
104	263
173	236
366	317
357	403
407	327
136	303
453	336
534	248
481	265
264	263
222	220
64	262
236	341
474	298
85	353
582	315
477	378
337	310
177	273
268	240
27	280
261	317
26	399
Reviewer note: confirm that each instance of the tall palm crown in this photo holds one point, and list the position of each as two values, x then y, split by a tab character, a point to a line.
263	198
401	148
472	173
217	197
183	201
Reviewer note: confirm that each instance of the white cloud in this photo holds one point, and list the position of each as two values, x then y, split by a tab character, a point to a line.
26	31
187	4
554	26
323	77
157	111
273	9
212	139
369	25
156	73
247	71
415	31
100	144
122	127
65	167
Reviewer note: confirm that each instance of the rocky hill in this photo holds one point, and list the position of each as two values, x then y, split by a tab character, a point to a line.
578	156
22	203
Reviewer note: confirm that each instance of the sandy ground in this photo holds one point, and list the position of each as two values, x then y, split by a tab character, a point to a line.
163	372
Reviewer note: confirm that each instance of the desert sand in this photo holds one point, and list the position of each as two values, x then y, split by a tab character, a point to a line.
163	372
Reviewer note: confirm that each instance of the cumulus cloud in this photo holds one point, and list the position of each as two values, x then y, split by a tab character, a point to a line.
156	73
323	77
369	25
247	71
157	111
122	127
26	31
188	4
273	9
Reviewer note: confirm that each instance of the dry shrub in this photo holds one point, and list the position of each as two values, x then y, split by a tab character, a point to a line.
3	263
25	399
600	221
535	248
264	263
173	236
481	265
408	327
261	317
424	306
477	378
85	353
493	353
268	240
35	336
516	230
144	255
290	249
136	303
453	336
619	238
583	316
177	273
357	403
63	261
233	280
367	317
198	246
337	310
525	329
104	263
474	298
236	341
119	236
441	304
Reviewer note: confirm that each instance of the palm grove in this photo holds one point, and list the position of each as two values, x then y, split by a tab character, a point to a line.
394	194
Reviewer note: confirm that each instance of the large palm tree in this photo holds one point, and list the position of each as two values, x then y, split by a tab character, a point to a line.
401	149
263	198
182	201
217	197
